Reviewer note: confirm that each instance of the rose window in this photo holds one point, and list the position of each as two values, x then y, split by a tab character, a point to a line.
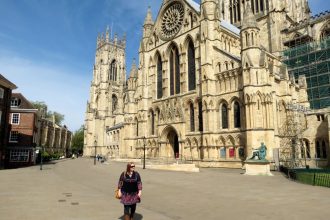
172	20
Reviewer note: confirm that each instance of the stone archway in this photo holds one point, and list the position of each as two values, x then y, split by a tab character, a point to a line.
173	141
170	145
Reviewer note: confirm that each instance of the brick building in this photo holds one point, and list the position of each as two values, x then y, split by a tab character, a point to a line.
6	88
23	133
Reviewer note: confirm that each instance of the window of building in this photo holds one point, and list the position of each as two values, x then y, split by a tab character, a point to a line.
308	149
200	116
15	118
324	150
15	102
19	155
237	115
318	150
192	117
113	71
2	92
191	67
159	78
174	71
152	122
224	116
114	103
137	127
13	136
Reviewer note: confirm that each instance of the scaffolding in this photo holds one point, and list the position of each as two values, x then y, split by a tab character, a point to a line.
312	59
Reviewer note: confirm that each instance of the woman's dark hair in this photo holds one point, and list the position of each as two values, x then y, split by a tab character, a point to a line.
129	166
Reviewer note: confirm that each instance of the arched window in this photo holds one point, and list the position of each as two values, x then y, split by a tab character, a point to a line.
114	103
137	127
224	116
325	32
237	115
200	116
191	67
159	78
113	71
308	149
231	11
174	71
192	117
318	150
152	122
324	150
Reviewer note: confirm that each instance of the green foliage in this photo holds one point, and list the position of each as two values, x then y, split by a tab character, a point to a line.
43	109
45	156
59	118
77	143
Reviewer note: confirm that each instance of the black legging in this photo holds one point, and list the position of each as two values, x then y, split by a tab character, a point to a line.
129	210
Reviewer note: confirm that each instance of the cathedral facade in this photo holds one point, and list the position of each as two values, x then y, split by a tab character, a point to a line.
209	85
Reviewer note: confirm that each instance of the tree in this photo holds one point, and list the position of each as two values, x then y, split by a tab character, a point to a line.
43	110
59	118
292	149
77	143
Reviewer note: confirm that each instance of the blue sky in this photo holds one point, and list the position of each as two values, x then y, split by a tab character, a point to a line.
47	47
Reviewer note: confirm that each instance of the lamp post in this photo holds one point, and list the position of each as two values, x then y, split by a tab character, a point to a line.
95	142
144	152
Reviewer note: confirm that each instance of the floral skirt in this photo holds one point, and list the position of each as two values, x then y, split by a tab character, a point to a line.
129	198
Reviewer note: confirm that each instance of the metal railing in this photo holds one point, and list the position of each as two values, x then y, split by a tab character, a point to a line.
315	177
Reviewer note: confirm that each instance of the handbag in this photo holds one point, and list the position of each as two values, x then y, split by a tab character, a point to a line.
121	184
117	194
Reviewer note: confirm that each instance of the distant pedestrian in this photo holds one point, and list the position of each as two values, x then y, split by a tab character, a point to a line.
130	190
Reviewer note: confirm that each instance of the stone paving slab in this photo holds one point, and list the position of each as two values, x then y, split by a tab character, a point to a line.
76	189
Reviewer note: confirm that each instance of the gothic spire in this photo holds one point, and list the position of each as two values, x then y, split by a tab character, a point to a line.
148	20
249	19
133	72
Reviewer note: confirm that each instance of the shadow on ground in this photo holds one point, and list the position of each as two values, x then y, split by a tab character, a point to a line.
137	216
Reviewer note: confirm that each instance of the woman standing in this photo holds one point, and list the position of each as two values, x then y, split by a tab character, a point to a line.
130	189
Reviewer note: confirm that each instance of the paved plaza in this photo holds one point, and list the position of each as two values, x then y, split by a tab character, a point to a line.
76	189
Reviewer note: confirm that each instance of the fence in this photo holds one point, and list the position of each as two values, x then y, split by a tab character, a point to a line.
315	177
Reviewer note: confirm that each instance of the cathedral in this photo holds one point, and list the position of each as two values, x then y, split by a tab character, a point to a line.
210	84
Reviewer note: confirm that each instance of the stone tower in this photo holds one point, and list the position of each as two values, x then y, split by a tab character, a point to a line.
106	92
256	83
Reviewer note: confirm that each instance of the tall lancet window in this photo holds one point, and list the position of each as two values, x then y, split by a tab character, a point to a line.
192	117
191	66
174	71
237	115
114	103
152	122
200	116
136	127
224	116
113	71
159	78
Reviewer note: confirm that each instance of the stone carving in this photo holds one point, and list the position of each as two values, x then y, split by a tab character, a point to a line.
172	20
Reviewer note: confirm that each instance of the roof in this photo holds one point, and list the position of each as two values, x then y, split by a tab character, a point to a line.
194	5
229	27
6	83
25	104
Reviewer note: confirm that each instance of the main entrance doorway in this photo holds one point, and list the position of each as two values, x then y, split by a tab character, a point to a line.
174	142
